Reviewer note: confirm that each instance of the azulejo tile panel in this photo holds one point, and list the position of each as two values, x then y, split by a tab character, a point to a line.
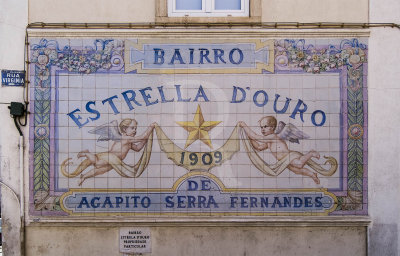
150	127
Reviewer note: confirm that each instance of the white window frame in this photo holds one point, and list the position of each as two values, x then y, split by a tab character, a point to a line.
208	10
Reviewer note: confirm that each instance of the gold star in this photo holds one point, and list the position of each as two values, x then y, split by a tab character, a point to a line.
198	129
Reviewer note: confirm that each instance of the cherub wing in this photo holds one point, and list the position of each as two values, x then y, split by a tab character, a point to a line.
107	132
290	132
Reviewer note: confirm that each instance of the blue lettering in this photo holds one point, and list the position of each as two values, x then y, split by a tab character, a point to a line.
218	54
135	198
93	111
146	97
264	202
92	202
202	201
205	185
77	118
243	202
287	201
158	55
170	203
127	201
318	202
233	201
299	109
307	202
129	99
204	55
107	202
201	93
265	98
110	101
192	185
191	202
323	117
240	56
118	201
212	201
181	203
234	95
85	202
276	202
176	56
283	110
297	202
145	202
253	202
191	55
178	92
163	100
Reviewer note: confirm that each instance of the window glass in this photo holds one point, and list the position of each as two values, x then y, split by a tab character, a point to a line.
227	4
188	5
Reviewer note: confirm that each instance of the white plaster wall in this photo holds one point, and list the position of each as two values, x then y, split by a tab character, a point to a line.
138	11
13	20
384	138
315	11
102	11
197	241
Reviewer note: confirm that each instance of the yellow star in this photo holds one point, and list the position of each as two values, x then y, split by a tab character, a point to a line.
198	129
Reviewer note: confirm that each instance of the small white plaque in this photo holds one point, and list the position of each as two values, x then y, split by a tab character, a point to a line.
135	240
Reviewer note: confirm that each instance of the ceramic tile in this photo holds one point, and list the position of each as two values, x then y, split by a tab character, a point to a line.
97	127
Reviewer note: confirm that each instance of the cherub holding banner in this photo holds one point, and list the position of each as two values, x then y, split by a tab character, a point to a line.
273	138
125	139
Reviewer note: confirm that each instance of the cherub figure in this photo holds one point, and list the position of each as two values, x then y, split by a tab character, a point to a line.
125	139
274	140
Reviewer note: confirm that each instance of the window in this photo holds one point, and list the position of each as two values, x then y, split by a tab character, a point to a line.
208	8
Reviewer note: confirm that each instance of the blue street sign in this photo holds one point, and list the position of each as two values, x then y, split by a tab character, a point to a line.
12	78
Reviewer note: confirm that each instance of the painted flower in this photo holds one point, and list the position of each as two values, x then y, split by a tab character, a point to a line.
281	60
309	57
345	54
316	69
82	58
354	59
315	57
106	65
53	55
44	74
35	53
300	55
43	60
97	56
354	74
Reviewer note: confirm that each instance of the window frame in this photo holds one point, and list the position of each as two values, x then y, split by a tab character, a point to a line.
208	10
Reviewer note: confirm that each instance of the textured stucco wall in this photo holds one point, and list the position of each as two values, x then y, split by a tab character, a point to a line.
137	11
194	241
314	11
102	11
13	20
384	139
384	149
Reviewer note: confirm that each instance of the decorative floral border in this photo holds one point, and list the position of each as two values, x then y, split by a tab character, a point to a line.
349	58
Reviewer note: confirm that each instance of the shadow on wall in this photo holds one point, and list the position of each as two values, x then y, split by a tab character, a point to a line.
383	239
